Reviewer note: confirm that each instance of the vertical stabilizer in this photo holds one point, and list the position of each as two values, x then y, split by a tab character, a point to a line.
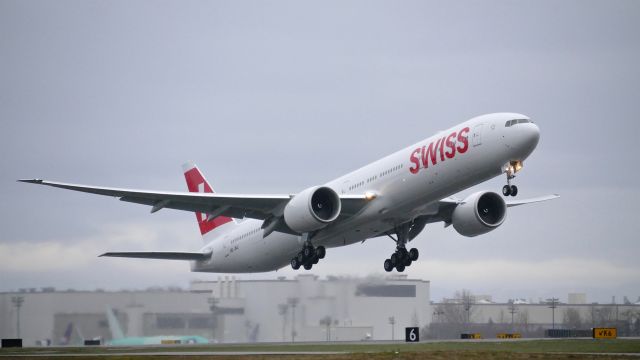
197	183
114	325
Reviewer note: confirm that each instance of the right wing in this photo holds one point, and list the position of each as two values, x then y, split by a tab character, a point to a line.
160	255
261	207
232	205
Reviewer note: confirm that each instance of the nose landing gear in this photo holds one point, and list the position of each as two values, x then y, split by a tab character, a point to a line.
512	168
509	190
401	258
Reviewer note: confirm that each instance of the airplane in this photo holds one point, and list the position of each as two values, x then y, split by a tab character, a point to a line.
396	197
119	339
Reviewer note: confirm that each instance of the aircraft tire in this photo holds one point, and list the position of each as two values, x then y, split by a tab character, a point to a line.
514	190
400	268
394	259
308	266
506	190
308	252
388	266
295	265
407	261
414	254
315	260
321	252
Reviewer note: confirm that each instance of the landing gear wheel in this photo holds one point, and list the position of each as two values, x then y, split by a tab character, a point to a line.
315	260
413	254
400	268
388	266
308	266
295	265
407	260
321	252
308	252
506	190
514	190
300	257
394	259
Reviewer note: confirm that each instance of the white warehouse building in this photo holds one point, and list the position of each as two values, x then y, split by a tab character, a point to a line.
305	308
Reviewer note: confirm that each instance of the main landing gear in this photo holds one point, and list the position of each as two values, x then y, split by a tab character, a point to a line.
308	256
401	258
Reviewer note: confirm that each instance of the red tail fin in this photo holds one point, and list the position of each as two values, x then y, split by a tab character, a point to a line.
197	183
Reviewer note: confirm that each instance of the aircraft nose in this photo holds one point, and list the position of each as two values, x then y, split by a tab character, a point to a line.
533	134
528	138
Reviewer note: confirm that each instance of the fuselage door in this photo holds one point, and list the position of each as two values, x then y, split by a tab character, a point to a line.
477	135
345	187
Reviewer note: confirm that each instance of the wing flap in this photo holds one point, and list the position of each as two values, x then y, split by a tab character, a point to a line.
160	255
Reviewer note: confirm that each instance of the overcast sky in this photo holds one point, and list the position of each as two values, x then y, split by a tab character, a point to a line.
276	96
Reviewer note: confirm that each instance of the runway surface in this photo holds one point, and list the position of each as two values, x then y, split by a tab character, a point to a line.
370	350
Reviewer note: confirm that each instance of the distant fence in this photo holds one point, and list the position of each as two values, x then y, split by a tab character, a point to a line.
567	333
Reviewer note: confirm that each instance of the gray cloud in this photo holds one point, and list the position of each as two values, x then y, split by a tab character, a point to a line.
276	96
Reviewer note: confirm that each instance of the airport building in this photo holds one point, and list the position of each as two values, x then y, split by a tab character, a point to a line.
478	314
305	308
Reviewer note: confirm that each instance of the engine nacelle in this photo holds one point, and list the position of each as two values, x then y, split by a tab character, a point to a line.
312	209
480	213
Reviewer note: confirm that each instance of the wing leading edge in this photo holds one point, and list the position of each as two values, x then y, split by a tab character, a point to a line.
160	255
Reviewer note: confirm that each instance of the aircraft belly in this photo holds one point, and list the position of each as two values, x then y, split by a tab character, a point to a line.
254	255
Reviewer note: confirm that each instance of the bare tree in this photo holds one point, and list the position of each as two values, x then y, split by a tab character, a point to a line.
571	318
523	320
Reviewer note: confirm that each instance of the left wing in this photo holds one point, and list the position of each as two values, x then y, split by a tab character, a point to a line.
259	207
447	205
532	200
454	201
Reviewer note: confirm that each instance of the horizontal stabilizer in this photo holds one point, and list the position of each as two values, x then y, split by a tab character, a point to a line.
160	255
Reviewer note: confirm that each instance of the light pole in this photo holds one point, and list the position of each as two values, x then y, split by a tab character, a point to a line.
437	313
553	304
213	306
17	302
293	302
326	321
282	310
467	308
512	310
392	322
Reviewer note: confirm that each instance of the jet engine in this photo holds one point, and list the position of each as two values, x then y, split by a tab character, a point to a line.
312	209
479	213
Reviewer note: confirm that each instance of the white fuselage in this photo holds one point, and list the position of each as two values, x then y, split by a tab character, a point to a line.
406	186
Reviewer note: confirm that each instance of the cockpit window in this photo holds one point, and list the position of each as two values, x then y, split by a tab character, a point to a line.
517	121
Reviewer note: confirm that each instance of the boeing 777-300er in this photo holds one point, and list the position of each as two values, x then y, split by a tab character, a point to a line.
395	196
